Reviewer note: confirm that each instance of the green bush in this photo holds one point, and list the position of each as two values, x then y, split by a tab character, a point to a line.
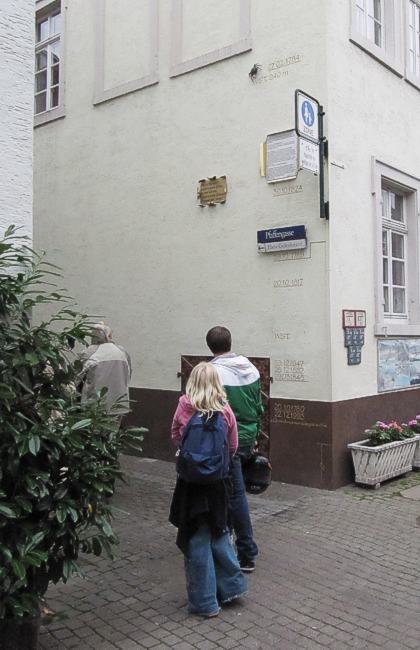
58	457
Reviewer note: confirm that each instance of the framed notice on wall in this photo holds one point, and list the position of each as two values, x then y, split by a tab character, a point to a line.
282	156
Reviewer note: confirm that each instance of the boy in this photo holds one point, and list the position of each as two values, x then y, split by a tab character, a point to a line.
241	381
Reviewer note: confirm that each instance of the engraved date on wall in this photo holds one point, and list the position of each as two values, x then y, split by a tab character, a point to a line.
277	69
284	284
289	370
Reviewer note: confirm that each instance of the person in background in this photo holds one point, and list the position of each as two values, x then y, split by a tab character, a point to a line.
200	511
106	365
241	381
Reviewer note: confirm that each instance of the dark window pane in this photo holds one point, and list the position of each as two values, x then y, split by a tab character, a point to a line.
54	96
398	274
397	246
385	271
55	53
41	60
42	30
55	75
397	207
384	243
386	299
41	103
55	24
398	301
40	81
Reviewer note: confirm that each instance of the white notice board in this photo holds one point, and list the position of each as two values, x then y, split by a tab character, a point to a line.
308	155
282	156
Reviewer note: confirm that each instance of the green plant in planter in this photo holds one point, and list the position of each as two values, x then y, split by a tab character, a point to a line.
381	433
58	457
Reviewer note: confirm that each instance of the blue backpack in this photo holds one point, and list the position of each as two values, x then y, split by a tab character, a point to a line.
204	455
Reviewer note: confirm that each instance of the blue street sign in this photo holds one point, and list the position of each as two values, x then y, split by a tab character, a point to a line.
308	113
281	239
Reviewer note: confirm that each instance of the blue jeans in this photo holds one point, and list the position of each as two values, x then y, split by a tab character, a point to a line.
239	511
212	571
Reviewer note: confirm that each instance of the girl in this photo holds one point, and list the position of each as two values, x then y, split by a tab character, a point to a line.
200	512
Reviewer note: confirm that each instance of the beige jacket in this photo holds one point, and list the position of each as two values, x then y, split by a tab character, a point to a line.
107	366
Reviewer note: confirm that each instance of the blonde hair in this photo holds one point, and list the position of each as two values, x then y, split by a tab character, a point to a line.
204	389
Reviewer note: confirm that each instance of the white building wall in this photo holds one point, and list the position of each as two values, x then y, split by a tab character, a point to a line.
372	115
116	188
16	113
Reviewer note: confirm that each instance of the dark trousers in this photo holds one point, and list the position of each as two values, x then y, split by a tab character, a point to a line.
239	511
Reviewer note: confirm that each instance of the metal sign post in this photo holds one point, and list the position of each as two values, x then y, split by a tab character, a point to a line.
309	124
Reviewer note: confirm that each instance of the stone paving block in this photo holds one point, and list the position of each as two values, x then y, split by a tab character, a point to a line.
327	577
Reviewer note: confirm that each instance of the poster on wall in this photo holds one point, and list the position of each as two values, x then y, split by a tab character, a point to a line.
398	363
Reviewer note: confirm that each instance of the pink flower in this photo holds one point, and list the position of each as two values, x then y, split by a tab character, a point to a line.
412	423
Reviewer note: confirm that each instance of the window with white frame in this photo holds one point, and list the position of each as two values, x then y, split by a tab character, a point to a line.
369	20
48	59
376	27
394	253
413	34
397	292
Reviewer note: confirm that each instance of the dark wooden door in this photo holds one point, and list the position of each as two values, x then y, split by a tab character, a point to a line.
188	361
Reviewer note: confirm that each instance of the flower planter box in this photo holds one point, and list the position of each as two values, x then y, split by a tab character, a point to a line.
372	465
416	459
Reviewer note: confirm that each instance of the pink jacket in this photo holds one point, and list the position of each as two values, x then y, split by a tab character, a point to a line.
184	413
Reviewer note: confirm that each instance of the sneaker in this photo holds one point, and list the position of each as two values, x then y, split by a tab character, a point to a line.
247	566
211	614
207	614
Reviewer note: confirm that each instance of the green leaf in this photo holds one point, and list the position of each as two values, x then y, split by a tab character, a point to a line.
18	569
81	424
34	445
36	558
73	514
32	358
36	539
106	527
7	512
61	515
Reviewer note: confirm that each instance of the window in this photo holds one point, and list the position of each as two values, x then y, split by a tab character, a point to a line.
412	71
376	27
394	251
369	17
48	99
397	265
414	38
47	62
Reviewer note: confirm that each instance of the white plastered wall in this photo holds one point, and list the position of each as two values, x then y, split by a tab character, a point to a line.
116	193
373	115
16	113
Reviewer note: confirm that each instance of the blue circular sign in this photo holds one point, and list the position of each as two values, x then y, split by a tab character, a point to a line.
308	113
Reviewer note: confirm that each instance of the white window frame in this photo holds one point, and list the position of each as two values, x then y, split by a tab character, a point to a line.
388	177
390	52
412	76
46	7
400	228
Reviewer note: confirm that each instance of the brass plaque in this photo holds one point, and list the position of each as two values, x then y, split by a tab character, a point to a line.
211	191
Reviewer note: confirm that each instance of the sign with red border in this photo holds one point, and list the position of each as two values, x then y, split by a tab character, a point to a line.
354	318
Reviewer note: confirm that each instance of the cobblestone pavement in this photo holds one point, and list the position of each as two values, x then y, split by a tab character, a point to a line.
336	570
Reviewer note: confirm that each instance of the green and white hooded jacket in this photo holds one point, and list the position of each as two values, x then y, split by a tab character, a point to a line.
241	381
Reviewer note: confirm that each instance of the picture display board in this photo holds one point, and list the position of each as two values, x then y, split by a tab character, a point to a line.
398	363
